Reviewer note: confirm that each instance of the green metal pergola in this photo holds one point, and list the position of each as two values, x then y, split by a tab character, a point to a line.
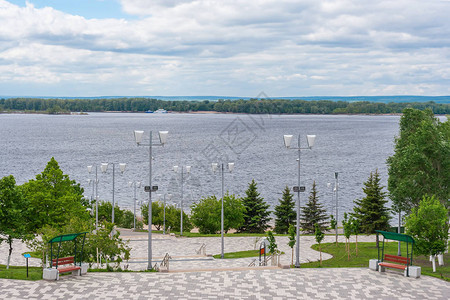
77	250
397	237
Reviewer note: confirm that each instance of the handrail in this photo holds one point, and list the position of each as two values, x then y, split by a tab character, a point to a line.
202	249
253	263
165	262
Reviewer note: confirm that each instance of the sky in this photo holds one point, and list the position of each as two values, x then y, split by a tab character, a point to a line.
89	48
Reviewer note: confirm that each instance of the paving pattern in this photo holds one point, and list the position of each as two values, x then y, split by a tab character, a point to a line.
213	282
251	284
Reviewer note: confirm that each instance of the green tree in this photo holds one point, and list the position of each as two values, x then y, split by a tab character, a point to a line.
233	210
420	165
371	211
333	224
54	198
313	213
356	229
285	212
172	217
428	224
14	214
256	216
105	213
347	224
319	237
273	247
205	215
291	243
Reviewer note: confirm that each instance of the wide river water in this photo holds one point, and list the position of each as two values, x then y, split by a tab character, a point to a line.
351	145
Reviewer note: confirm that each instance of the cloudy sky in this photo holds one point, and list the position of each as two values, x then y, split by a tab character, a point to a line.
224	47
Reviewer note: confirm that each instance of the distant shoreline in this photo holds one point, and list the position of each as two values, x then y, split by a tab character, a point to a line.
199	113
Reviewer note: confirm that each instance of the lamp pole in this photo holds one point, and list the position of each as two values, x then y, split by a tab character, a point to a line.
287	142
138	138
214	168
188	171
336	188
136	184
104	167
96	194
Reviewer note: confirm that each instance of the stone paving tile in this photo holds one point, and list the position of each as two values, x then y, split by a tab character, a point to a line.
251	284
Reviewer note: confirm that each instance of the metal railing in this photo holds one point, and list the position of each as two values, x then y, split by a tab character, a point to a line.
165	262
253	263
202	250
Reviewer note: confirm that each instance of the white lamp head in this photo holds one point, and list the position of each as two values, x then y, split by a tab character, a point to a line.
214	167
89	169
138	184
311	140
163	136
328	184
175	169
158	197
104	167
138	136
169	196
288	140
188	169
130	183
231	167
122	167
89	181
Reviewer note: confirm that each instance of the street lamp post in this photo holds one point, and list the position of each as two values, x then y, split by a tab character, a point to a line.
188	171
214	168
96	194
335	192
138	138
287	142
135	184
104	167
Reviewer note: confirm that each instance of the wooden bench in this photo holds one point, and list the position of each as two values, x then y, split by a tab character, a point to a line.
76	270
392	261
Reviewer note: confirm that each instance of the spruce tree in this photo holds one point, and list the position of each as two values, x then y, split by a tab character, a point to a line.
371	211
256	214
285	212
313	213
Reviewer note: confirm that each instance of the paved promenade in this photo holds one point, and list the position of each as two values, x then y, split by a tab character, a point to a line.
221	279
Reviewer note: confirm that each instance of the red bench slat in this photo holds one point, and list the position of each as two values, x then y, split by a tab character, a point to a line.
395	258
395	266
68	269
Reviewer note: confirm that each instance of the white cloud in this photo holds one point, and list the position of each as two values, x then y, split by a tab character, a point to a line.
234	47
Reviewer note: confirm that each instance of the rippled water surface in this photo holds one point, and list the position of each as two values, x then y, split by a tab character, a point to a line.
351	145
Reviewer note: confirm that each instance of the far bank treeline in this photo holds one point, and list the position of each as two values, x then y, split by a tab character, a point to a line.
252	106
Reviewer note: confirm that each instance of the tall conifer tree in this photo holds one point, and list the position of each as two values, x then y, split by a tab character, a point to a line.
371	211
256	216
285	212
313	213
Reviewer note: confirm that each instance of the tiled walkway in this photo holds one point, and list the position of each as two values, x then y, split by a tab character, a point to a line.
240	282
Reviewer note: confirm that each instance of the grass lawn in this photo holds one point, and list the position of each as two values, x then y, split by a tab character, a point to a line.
14	272
367	251
239	254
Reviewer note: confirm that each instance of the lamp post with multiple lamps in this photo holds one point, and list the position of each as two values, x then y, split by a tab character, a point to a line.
335	193
188	171
215	166
162	140
95	184
135	184
104	167
287	142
